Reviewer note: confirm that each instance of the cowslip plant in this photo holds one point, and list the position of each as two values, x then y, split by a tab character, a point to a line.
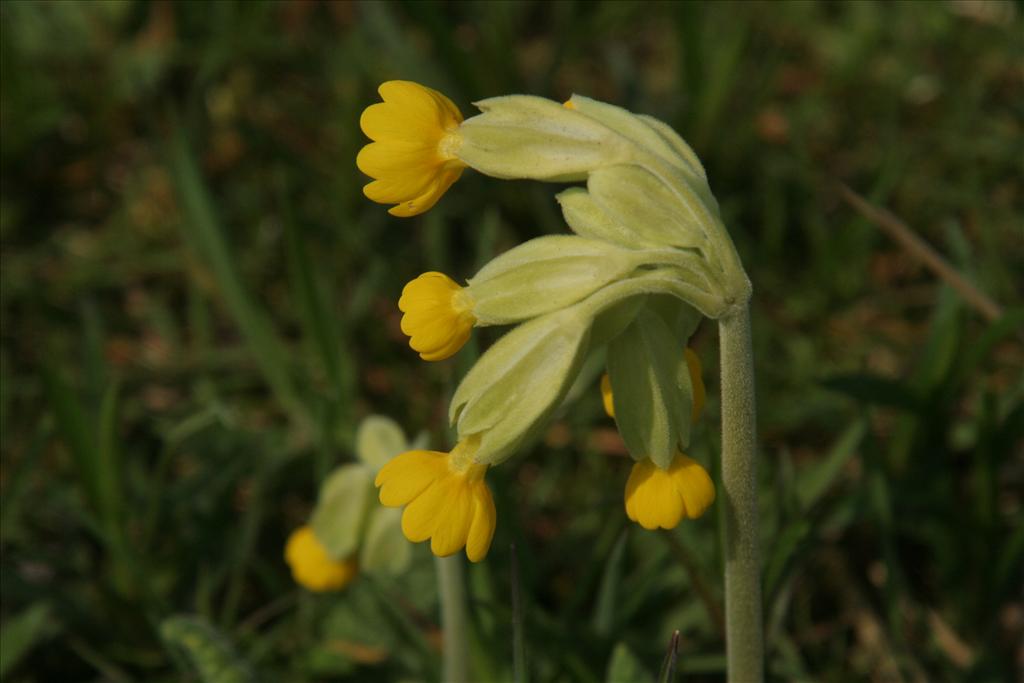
347	534
648	258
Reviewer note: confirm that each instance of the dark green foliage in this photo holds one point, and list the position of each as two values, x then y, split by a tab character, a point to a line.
198	305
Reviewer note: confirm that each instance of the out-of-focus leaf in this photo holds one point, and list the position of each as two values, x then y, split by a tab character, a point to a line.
341	509
874	389
384	548
939	354
604	608
22	632
74	429
624	667
783	552
379	439
203	230
208	652
1011	323
813	481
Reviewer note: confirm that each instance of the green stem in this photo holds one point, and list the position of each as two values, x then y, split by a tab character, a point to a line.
743	624
451	582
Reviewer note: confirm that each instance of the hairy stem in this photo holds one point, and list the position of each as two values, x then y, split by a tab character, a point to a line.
743	621
451	582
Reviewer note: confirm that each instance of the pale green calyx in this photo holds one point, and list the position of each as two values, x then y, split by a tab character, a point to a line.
520	136
645	186
515	385
642	131
346	521
651	383
546	274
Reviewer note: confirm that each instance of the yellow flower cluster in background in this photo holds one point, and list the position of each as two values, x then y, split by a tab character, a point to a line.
345	535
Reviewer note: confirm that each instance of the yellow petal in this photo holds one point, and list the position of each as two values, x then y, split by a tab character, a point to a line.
693	483
430	196
402	171
407	475
481	531
453	518
420	516
420	101
387	121
606	395
438	315
651	497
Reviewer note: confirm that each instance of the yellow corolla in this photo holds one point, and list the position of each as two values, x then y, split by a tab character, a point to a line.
445	499
661	498
696	382
413	154
312	567
438	315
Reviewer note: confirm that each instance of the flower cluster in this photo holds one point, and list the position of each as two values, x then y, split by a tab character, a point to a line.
345	535
648	258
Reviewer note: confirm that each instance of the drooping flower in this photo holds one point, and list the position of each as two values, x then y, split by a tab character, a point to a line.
661	498
413	154
445	499
696	383
438	315
312	567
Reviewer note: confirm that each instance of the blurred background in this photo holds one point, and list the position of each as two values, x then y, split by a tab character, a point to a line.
198	306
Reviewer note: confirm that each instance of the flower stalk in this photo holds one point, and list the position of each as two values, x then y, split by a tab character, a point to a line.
451	584
743	624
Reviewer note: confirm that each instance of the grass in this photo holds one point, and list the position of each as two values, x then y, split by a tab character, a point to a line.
198	307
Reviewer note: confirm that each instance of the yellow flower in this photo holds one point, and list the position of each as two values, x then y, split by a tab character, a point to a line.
438	315
445	499
696	382
412	157
312	567
660	498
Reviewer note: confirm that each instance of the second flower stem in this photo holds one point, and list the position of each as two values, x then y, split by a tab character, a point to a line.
743	621
454	617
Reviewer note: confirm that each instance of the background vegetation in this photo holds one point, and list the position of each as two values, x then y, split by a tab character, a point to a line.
198	305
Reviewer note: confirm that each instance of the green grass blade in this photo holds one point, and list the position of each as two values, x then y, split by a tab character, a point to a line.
814	481
74	429
604	609
21	633
208	652
205	234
